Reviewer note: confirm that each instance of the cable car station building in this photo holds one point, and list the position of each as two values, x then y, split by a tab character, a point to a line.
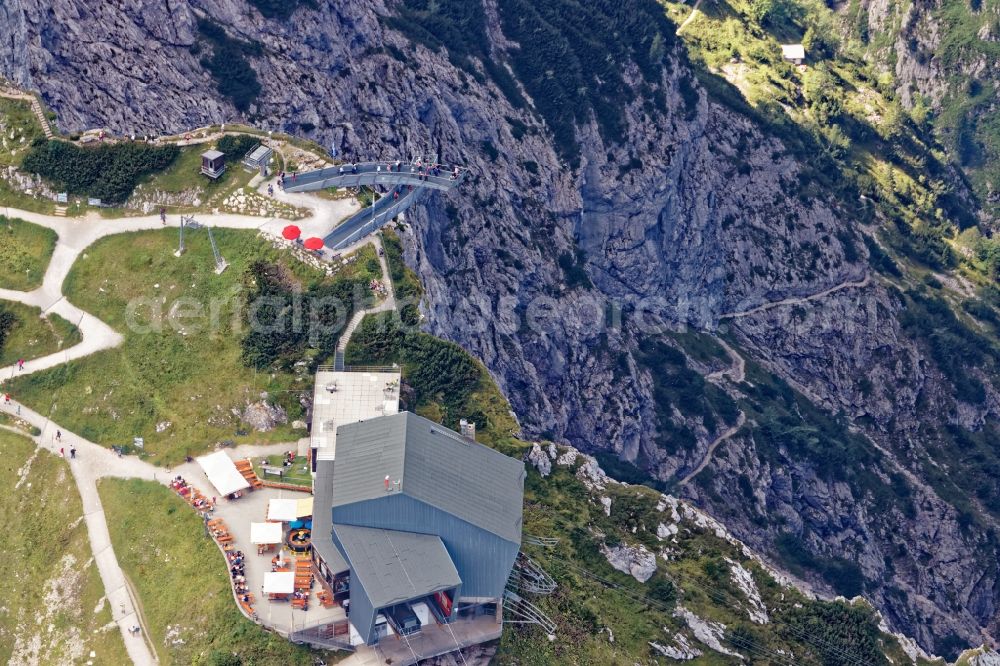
417	529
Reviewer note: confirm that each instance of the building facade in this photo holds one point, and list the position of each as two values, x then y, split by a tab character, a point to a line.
422	526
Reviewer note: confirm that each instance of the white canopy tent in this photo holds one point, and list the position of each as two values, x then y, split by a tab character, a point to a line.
222	473
283	510
286	510
279	582
265	533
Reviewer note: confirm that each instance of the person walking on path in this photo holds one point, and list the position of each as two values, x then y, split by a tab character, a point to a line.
20	364
6	398
62	452
163	216
58	435
72	452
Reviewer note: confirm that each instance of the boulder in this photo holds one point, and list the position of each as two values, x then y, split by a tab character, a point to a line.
637	561
540	461
263	416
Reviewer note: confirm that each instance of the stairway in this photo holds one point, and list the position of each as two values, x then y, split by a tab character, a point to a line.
36	106
246	469
345	337
61	211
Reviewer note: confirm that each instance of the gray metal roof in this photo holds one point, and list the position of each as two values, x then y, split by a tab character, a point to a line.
212	154
434	465
396	566
259	153
322	531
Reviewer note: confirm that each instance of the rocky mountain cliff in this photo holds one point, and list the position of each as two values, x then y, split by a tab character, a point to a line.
571	265
944	55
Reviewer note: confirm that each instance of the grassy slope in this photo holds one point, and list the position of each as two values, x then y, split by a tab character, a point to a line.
34	336
297	474
25	250
694	562
185	174
181	579
114	395
840	105
50	588
17	118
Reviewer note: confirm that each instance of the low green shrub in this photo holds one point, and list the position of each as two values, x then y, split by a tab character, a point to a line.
109	172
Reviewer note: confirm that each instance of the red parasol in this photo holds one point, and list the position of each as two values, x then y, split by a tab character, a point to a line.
291	232
313	243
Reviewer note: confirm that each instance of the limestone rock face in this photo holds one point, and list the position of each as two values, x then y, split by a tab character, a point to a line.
699	218
263	416
537	457
637	561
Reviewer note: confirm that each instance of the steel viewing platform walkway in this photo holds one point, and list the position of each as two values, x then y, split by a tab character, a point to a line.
408	182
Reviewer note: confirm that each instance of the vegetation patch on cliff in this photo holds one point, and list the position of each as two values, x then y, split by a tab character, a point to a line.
234	77
447	384
291	317
280	9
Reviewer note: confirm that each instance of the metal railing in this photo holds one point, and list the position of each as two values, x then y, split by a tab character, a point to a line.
358	368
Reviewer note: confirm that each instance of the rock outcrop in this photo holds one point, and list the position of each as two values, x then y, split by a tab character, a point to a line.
636	561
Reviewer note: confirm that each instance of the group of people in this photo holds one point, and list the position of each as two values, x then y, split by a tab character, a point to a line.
419	168
184	489
276	563
237	570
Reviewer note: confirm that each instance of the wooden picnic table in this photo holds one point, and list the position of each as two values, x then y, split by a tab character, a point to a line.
271	469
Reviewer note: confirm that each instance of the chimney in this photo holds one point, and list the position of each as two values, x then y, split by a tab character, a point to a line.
468	429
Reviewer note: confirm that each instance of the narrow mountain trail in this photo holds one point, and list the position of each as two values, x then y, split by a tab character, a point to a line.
736	372
690	17
740	420
849	284
93	461
733	372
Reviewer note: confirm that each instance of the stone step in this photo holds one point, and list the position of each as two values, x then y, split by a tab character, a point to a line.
61	211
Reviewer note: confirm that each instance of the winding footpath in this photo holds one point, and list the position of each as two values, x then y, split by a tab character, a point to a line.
798	300
737	372
93	461
740	420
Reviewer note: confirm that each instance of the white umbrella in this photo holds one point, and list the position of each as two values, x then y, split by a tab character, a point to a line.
265	533
279	582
